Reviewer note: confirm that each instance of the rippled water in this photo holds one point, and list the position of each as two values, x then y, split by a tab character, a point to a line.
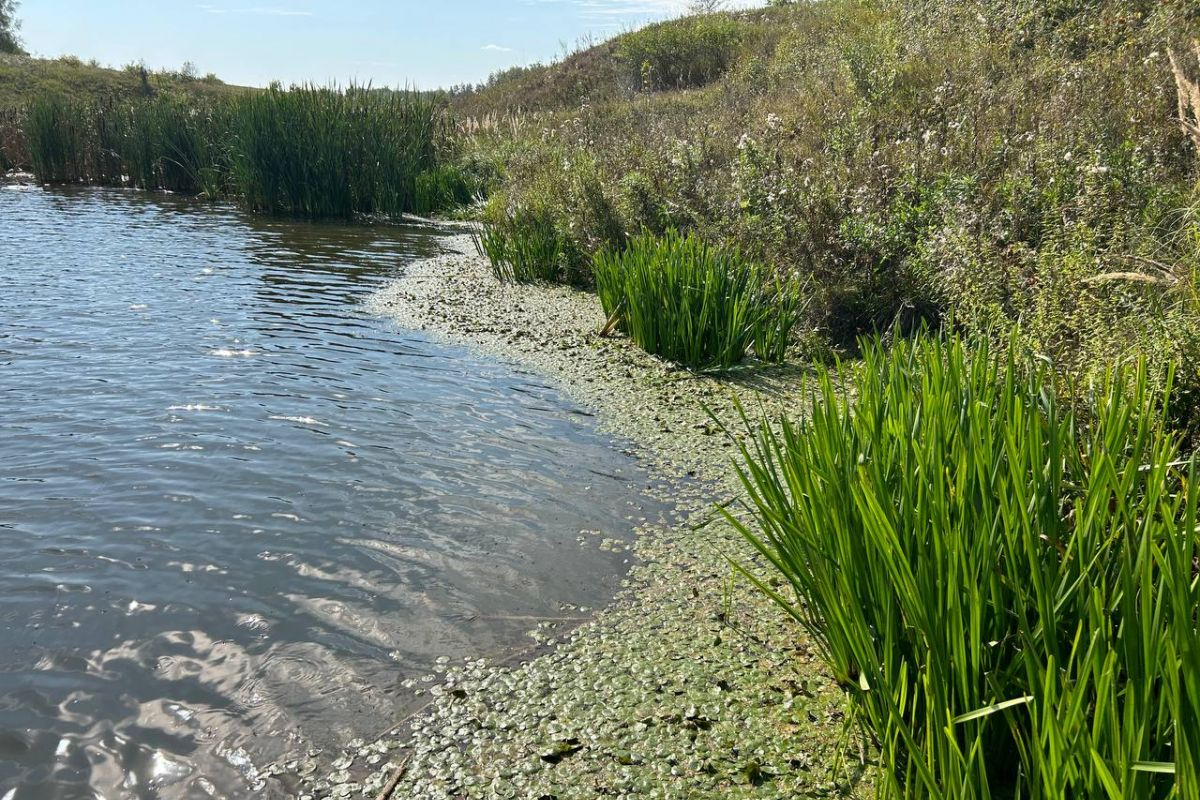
236	510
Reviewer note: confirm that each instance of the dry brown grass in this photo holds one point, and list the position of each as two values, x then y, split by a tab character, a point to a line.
1189	92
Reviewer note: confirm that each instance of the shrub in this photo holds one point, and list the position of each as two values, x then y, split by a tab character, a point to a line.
681	299
680	54
1005	586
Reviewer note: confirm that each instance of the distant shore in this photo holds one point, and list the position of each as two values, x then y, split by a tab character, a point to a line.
688	685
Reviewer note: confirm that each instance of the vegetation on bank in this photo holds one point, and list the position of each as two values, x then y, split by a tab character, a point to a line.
679	298
303	152
1004	584
23	78
525	246
993	543
995	161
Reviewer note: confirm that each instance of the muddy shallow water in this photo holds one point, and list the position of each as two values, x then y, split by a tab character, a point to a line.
237	510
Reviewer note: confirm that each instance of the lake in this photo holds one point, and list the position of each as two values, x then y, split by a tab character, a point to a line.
237	511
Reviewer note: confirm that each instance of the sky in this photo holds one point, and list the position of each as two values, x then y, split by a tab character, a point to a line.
431	44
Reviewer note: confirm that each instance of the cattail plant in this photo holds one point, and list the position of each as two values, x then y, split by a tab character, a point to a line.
303	152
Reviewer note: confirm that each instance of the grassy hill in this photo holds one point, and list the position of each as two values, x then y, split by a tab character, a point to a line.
1022	170
913	161
24	77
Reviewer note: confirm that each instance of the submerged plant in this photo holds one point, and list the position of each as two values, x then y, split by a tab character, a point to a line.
701	306
1005	586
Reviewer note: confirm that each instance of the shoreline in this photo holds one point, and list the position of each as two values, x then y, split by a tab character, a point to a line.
690	684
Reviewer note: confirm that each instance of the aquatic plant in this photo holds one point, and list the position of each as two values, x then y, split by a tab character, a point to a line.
316	152
304	152
523	245
55	140
445	186
1005	586
679	298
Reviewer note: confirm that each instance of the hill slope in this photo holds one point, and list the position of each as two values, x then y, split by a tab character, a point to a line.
24	77
914	159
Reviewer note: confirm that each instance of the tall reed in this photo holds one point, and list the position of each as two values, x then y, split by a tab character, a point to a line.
315	152
14	150
1006	587
701	306
58	144
305	152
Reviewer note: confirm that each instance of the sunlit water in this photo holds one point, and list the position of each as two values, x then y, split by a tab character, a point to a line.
236	510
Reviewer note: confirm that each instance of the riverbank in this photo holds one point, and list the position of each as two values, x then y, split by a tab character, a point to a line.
690	684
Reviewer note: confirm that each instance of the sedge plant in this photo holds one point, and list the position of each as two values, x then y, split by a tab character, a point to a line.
1005	585
700	306
524	246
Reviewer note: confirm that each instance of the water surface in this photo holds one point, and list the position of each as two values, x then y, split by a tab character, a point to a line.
236	510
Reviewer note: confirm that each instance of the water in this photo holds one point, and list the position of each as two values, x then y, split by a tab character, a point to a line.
236	510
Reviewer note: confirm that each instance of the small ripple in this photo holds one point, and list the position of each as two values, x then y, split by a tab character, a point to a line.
299	420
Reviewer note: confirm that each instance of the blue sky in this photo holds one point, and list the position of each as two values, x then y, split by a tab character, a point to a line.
429	44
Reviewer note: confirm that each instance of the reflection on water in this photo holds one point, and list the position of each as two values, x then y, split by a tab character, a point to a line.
236	511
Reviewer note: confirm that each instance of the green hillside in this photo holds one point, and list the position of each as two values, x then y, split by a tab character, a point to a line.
912	161
24	77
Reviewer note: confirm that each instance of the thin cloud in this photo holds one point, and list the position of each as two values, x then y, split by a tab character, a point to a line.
495	48
631	9
257	11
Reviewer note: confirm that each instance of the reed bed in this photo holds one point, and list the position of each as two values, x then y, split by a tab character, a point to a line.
315	152
704	307
14	150
1006	586
304	152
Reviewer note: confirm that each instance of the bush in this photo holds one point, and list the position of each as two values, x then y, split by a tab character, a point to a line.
678	298
1005	586
680	54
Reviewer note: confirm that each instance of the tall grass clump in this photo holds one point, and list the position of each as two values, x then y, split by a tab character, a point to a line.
163	142
1005	586
14	151
704	307
524	246
57	140
442	187
302	152
313	152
